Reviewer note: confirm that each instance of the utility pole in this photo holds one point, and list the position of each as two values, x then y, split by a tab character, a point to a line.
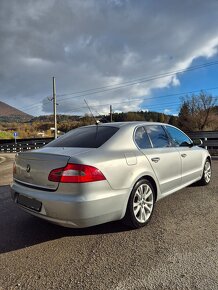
111	119
55	108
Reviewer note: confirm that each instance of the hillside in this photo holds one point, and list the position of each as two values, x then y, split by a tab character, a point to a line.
9	113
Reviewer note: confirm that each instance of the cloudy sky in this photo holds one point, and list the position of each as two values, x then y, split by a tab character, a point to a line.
132	54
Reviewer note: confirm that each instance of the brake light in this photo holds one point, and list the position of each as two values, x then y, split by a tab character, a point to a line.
76	173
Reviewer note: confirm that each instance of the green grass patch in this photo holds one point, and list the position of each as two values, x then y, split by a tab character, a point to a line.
6	135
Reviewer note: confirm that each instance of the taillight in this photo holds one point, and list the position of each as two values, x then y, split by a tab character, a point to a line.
76	173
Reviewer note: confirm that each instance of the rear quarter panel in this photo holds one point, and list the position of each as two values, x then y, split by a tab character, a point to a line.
121	168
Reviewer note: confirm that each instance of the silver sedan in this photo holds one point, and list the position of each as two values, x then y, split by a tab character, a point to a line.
106	172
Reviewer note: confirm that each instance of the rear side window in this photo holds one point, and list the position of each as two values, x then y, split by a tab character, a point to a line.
85	137
158	136
141	138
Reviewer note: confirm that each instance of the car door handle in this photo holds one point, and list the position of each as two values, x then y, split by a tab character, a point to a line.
184	155
155	159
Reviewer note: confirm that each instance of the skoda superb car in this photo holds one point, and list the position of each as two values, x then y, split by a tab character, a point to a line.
107	172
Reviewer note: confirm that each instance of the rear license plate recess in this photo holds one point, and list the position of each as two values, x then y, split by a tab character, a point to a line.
29	202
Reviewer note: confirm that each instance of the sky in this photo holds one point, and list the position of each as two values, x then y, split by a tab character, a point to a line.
132	54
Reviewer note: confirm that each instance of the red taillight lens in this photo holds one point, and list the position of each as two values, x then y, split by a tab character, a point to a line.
76	173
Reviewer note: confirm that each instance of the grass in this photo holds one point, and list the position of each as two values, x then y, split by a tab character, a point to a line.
6	135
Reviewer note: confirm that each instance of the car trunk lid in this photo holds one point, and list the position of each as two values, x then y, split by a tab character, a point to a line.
32	168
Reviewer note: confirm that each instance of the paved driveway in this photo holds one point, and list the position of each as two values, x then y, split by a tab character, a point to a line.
178	249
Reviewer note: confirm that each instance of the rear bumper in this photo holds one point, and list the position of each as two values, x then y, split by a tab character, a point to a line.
100	205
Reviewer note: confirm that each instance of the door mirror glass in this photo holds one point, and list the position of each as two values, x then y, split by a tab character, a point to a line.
197	142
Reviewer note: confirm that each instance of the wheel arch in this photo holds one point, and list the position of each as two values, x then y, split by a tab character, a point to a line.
202	181
143	176
152	181
125	216
207	157
149	178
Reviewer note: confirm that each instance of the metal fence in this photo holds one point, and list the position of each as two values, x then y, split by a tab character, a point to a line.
22	145
209	138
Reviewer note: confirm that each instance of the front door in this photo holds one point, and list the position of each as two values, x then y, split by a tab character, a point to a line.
191	156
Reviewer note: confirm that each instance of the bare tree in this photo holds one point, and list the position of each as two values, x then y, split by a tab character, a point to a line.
197	112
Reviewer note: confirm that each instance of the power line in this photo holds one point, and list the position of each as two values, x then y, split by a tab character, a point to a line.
122	85
133	82
171	104
76	109
151	98
130	83
145	99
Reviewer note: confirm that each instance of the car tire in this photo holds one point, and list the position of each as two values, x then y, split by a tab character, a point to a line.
140	205
206	176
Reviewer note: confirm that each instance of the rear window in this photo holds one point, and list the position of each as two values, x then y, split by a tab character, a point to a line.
142	139
85	137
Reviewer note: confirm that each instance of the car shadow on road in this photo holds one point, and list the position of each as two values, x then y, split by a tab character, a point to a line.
19	229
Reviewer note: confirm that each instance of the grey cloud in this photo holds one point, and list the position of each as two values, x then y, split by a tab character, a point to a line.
90	43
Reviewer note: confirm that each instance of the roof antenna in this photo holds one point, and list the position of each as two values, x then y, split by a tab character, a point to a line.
102	117
96	121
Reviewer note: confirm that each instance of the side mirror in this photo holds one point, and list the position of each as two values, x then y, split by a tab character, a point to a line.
197	142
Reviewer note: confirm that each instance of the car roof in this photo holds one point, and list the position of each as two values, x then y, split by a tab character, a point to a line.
125	133
124	139
128	124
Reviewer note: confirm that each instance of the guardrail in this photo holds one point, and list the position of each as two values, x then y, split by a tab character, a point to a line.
22	145
209	138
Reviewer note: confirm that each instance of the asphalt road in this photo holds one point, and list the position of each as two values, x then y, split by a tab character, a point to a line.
178	249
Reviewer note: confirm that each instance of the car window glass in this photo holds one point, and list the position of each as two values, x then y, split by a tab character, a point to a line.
178	137
85	137
141	138
158	136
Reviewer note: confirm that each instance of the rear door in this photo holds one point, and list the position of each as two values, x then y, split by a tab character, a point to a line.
165	160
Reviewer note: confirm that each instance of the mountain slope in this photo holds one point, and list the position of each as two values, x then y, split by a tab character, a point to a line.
9	113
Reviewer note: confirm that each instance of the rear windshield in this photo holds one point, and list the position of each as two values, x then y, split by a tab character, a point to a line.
85	137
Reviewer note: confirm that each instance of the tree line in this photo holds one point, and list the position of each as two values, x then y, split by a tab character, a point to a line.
197	113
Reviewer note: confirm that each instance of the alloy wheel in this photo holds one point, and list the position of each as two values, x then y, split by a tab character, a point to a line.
143	203
207	172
